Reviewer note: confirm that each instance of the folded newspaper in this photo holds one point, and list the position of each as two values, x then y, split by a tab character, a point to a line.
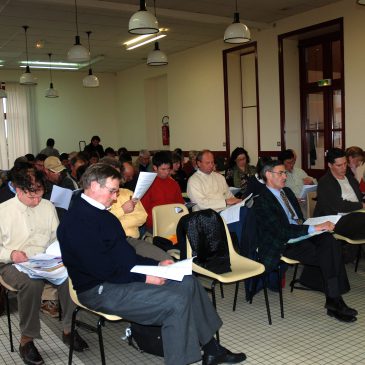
47	266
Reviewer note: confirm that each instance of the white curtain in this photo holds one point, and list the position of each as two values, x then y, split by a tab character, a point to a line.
4	164
20	120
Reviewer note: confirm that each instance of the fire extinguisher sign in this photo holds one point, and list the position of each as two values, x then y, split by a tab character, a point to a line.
165	131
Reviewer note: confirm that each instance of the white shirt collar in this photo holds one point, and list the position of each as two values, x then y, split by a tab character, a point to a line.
93	202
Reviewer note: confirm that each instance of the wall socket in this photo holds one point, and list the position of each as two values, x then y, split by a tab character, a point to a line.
278	144
224	144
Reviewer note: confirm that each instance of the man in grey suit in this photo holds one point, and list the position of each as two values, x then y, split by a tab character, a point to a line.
279	219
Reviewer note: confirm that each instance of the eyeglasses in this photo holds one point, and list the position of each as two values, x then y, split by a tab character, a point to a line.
280	173
34	195
111	190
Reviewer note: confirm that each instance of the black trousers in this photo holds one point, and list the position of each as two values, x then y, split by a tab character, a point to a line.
325	252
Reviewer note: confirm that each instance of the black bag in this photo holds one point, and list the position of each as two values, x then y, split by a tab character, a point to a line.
148	339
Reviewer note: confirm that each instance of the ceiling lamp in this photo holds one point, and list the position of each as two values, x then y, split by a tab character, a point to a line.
3	94
90	80
78	53
237	32
143	22
27	78
157	57
51	92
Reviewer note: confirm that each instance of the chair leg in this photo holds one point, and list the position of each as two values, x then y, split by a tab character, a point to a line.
73	327
294	277
280	293
358	258
9	321
235	296
101	343
214	282
254	286
222	293
266	299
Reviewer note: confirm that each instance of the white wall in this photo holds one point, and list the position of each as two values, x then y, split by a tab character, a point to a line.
78	114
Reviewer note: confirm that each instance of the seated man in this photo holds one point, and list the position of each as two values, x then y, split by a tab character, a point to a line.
28	225
296	177
99	260
338	190
143	162
164	189
279	219
207	188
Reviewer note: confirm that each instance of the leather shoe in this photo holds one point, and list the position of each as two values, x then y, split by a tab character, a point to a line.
30	354
79	343
226	357
340	306
340	316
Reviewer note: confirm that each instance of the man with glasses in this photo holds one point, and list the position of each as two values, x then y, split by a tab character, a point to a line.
296	178
99	261
279	219
27	227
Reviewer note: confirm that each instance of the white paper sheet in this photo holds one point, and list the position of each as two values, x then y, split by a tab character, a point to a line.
175	271
61	197
54	249
307	189
232	213
145	180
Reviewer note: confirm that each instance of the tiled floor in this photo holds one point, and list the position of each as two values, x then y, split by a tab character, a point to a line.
306	336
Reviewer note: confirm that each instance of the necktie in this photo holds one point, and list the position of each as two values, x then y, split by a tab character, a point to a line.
291	211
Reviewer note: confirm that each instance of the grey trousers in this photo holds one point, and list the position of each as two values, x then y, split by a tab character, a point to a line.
183	309
147	249
29	300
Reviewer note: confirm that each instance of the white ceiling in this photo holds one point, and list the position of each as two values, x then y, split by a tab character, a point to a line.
190	22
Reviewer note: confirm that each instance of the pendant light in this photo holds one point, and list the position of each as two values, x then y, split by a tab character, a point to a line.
143	22
51	92
90	80
157	57
237	32
78	53
3	94
27	78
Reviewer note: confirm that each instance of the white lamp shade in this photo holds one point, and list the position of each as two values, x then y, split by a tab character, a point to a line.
78	53
143	22
27	78
51	92
157	57
3	94
237	32
90	80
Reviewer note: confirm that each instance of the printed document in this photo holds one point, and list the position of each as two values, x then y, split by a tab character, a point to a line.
145	180
176	271
232	213
61	197
307	189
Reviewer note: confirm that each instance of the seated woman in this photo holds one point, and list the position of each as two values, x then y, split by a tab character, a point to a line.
177	173
239	169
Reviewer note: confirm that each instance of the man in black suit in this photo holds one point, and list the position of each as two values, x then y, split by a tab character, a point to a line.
279	219
338	192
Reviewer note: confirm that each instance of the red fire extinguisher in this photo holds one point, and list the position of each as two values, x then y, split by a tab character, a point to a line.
165	131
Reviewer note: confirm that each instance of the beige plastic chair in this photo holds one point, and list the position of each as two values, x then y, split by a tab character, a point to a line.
101	320
8	289
165	219
311	203
242	268
352	242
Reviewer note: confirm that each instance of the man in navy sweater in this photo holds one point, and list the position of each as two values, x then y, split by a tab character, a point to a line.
99	259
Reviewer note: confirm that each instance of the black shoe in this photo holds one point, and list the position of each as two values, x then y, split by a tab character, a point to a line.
341	316
340	306
30	354
227	357
79	343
